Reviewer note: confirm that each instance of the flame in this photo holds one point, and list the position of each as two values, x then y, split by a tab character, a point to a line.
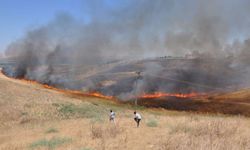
162	94
67	91
100	95
80	93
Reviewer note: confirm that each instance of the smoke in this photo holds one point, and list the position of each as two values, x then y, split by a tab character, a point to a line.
213	30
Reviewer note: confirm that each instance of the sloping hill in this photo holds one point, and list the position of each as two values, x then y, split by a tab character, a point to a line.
33	117
237	96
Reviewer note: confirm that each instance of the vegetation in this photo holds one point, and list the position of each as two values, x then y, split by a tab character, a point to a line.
81	111
152	123
51	130
50	144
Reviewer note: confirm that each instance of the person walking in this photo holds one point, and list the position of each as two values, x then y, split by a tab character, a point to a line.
137	118
112	116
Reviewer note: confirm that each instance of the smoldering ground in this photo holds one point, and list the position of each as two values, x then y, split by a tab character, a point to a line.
103	53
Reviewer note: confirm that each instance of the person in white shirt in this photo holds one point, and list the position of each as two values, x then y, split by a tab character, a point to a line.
137	118
112	116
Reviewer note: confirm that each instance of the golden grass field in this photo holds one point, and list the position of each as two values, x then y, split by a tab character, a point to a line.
33	117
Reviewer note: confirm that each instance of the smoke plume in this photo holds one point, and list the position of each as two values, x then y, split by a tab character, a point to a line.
104	51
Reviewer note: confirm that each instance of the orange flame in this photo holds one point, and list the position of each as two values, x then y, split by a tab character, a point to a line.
90	94
100	95
80	93
178	95
97	94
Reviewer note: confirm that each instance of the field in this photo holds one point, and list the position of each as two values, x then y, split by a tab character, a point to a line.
34	117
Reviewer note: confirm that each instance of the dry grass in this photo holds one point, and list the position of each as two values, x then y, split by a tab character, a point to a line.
35	118
96	131
216	133
240	95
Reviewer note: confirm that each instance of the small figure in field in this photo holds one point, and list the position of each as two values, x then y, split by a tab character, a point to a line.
137	118
112	116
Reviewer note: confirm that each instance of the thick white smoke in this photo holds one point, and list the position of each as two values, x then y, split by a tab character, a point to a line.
210	30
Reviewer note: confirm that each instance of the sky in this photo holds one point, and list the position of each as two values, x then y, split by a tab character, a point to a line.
144	21
18	16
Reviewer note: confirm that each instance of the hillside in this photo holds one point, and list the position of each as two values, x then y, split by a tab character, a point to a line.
119	78
237	96
34	117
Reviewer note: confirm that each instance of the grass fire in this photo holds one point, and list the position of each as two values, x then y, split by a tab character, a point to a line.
125	74
178	95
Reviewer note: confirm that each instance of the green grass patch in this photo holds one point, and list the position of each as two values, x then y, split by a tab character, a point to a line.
51	130
86	110
50	144
138	107
152	123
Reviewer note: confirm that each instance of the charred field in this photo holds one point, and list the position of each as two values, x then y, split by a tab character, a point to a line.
198	105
